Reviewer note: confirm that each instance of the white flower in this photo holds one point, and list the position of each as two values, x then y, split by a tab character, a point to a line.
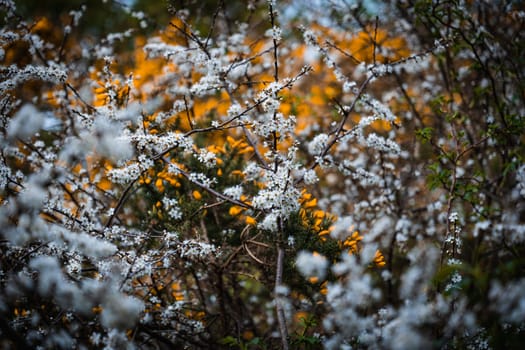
343	227
311	264
234	110
207	158
381	144
234	192
252	171
318	144
269	223
172	207
310	177
26	122
120	311
310	38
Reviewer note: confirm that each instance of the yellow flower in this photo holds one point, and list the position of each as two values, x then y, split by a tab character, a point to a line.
379	259
250	221
247	335
313	279
160	185
197	195
235	210
96	309
311	203
352	241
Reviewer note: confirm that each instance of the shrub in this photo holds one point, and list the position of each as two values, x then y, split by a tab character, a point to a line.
350	182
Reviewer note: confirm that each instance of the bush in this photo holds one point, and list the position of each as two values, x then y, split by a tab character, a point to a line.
352	181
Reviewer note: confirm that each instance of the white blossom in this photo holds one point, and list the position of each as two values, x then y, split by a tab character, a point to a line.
234	192
310	177
318	144
312	264
26	122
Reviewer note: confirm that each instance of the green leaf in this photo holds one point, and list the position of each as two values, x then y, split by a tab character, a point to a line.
425	134
229	340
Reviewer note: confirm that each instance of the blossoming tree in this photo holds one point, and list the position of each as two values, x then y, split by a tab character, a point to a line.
351	182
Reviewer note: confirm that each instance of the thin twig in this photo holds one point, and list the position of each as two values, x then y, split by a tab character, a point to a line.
375	40
210	190
340	127
280	250
121	201
278	303
245	246
224	124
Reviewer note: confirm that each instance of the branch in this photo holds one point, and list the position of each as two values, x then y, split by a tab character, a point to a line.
278	305
121	201
223	125
340	127
211	190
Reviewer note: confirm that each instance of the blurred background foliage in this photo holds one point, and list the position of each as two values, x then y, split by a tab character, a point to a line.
104	16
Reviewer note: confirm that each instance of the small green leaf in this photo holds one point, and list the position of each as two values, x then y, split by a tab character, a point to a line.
229	340
425	134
